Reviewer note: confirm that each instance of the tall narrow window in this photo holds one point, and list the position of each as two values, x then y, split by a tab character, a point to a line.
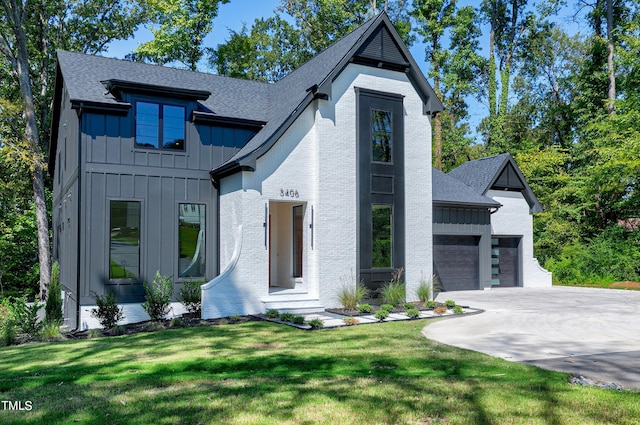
382	236
191	240
124	245
298	218
381	140
160	126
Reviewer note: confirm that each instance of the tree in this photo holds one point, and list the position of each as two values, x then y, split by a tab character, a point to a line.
273	47
270	50
454	68
30	34
182	27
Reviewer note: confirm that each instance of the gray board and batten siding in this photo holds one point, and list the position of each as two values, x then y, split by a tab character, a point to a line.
113	168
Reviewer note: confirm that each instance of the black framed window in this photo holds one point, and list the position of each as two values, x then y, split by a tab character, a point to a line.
298	219
381	236
160	126
191	240
381	136
124	240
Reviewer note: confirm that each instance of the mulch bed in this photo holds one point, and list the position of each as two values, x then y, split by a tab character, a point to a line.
400	309
149	326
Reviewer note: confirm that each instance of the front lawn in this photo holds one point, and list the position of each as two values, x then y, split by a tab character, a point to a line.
264	373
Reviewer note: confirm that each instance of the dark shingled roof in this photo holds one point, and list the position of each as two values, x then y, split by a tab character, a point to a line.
230	97
448	191
94	81
482	173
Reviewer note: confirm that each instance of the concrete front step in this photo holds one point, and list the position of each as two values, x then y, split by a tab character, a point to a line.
295	306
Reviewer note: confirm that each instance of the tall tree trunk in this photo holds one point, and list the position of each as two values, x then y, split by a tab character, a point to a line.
610	65
493	84
16	16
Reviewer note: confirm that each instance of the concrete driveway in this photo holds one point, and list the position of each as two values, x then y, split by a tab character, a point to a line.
583	331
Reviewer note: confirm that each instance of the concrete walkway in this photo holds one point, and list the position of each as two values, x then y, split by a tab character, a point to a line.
583	331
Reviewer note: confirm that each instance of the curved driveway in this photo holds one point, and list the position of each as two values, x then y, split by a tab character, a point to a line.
584	331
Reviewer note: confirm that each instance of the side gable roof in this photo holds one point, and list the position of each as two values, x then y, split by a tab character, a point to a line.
313	80
448	191
496	172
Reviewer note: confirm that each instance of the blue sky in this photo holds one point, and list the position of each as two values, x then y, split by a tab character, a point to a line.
232	15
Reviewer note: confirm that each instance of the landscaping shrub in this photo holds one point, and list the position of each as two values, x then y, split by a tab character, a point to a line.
298	320
381	315
440	310
108	313
450	303
413	313
158	296
350	321
351	292
191	295
273	314
234	317
424	290
8	331
53	307
316	323
25	317
457	310
387	307
431	304
393	292
365	308
408	306
175	322
287	317
51	331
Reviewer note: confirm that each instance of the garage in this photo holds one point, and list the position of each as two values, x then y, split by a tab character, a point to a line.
456	261
505	261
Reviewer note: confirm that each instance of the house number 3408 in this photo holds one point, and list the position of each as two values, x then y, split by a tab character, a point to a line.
289	193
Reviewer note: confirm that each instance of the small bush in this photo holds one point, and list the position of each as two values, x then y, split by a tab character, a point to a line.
365	308
158	297
8	333
273	314
108	313
116	330
94	333
53	307
51	331
351	292
393	292
413	313
298	320
440	310
450	303
316	323
176	322
235	317
381	315
431	304
24	316
286	317
408	306
424	290
457	310
191	295
387	307
350	321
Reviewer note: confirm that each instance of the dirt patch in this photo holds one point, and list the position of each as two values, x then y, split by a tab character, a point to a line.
626	285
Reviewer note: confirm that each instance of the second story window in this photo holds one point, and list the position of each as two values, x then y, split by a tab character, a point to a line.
160	126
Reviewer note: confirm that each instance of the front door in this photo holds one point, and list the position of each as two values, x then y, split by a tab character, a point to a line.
381	187
286	244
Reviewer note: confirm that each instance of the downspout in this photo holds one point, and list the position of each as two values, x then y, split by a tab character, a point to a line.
216	186
79	238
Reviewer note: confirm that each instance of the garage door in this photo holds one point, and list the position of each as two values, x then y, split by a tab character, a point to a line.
455	261
505	264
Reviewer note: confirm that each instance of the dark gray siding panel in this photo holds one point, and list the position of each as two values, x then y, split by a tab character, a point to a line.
159	197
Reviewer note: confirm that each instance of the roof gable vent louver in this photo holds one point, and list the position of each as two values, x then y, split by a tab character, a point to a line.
381	48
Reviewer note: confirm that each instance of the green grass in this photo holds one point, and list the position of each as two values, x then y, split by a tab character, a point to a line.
264	373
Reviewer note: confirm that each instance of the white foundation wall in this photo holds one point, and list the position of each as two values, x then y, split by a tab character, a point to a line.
133	313
316	159
514	219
